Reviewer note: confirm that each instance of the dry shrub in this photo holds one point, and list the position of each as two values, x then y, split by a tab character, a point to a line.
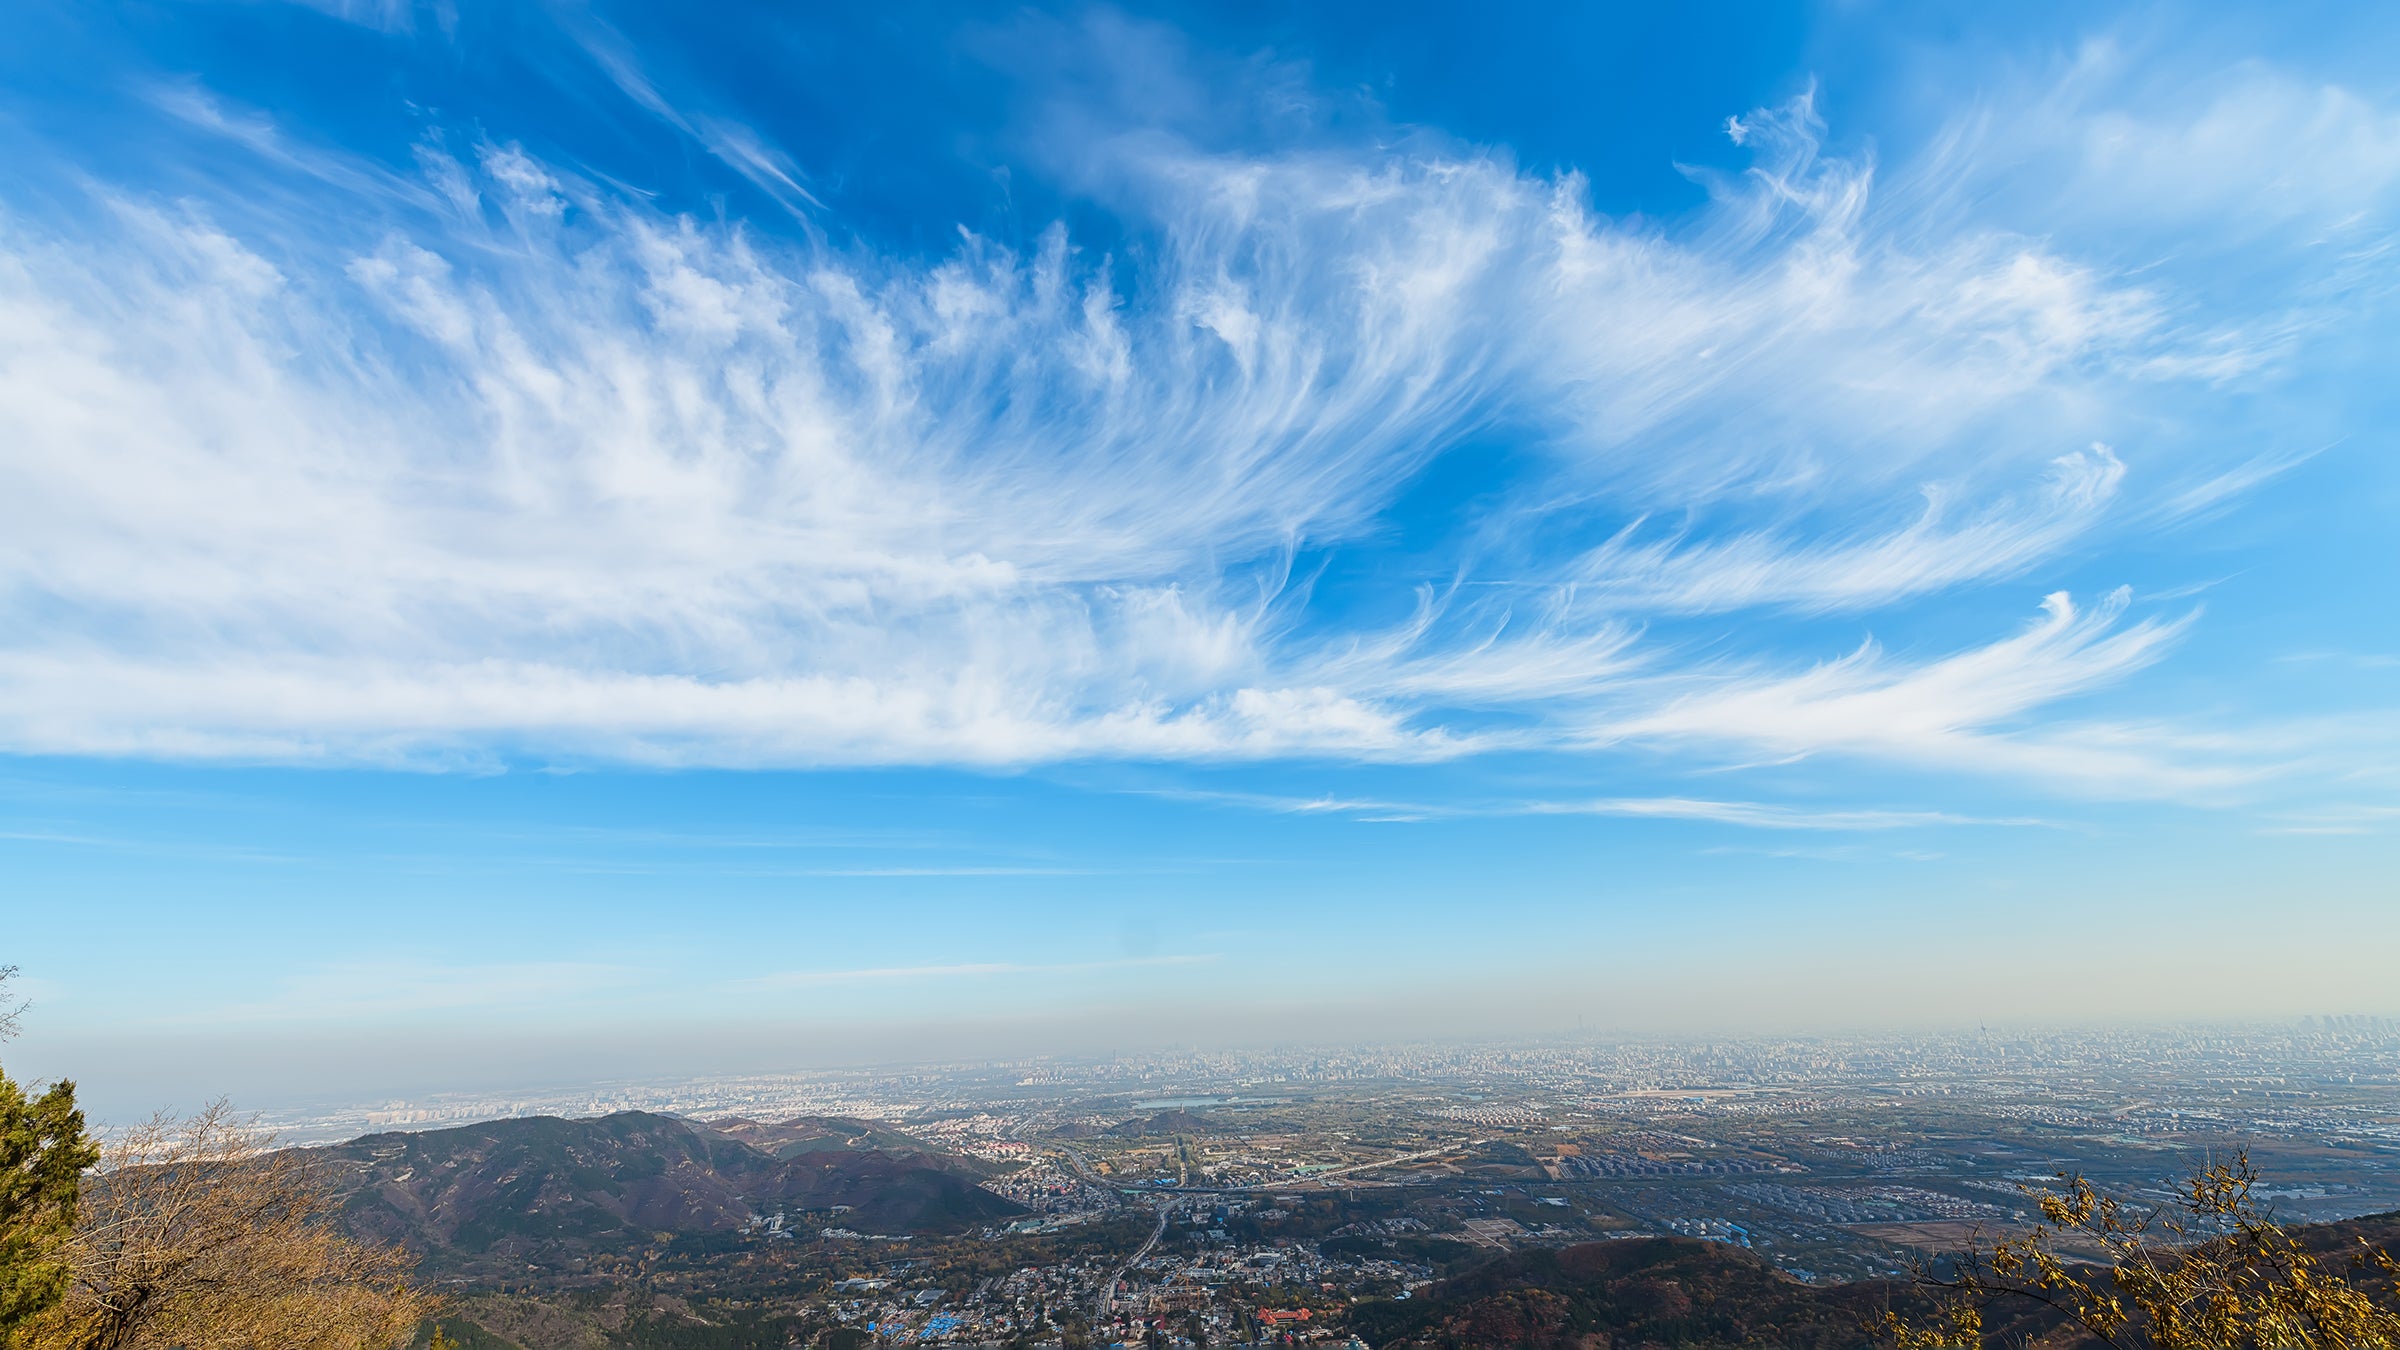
198	1234
2210	1271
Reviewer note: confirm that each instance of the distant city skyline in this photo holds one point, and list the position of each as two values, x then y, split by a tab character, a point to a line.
2312	1053
583	539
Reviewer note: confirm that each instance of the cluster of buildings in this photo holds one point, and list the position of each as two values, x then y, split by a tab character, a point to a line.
1573	1165
1866	1204
1050	1191
2290	1060
1189	1291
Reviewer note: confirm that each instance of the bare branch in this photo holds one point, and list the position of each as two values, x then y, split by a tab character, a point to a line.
2216	1271
200	1233
9	1012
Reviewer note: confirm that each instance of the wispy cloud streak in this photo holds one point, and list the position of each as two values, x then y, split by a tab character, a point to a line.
1749	814
510	463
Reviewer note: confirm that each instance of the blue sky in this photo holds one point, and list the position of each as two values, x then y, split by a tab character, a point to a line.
554	539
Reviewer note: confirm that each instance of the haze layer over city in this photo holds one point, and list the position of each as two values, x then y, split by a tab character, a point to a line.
1491	632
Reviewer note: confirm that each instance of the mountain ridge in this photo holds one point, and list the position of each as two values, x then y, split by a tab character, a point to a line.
1684	1292
547	1190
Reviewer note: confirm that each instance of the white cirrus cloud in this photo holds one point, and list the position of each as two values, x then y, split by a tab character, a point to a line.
1750	814
508	463
1956	711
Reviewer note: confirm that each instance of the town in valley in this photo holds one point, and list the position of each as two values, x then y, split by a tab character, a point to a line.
1305	1196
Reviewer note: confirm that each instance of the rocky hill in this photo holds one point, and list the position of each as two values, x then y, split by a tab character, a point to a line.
546	1190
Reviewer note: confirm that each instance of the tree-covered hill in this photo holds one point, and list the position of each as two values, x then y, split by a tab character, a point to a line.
546	1189
1693	1295
815	1134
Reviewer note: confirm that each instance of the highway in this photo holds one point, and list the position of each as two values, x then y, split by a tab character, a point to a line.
1108	1293
1316	1179
1084	1170
1418	1156
1108	1296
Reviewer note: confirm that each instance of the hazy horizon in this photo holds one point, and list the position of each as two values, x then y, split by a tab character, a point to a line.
126	1080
